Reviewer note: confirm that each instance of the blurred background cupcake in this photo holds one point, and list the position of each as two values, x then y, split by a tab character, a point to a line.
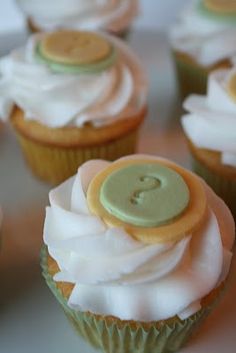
137	252
210	128
113	16
202	39
72	96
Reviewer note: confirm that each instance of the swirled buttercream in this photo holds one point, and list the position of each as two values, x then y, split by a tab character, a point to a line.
114	274
62	99
111	15
211	123
205	38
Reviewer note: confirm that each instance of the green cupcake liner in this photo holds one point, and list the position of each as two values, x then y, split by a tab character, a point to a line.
190	77
125	337
223	186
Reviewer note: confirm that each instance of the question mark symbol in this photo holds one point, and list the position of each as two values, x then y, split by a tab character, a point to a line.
152	184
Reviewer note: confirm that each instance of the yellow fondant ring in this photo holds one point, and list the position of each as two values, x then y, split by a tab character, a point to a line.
185	224
221	6
75	47
231	88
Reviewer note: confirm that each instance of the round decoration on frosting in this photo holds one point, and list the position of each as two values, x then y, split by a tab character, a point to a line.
231	88
221	7
76	51
145	195
187	214
74	47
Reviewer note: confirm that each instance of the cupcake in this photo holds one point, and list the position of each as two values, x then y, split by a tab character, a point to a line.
113	16
210	127
72	96
137	252
203	39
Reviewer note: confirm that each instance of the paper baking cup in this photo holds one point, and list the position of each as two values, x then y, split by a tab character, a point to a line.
116	336
191	76
55	164
223	186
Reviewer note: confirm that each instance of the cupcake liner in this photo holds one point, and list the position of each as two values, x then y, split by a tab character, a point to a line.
223	186
191	76
116	336
55	164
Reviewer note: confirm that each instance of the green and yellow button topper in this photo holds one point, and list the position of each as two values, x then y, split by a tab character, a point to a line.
68	51
154	200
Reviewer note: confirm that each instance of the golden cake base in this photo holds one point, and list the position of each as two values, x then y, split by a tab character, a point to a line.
53	155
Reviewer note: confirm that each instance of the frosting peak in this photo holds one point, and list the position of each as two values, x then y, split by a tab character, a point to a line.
204	35
113	273
211	122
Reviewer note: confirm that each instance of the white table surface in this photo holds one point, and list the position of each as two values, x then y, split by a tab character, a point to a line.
31	321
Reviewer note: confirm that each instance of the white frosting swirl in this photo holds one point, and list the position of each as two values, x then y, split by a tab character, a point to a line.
117	275
211	123
208	40
111	15
58	99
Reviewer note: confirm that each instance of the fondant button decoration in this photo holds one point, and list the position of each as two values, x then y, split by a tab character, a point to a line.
74	47
76	51
145	195
231	88
184	217
221	6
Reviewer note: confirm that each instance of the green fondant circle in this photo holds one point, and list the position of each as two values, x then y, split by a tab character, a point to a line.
95	67
215	16
145	195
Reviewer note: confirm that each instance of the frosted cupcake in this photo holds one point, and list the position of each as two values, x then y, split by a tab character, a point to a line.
113	16
137	252
210	128
72	96
203	39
